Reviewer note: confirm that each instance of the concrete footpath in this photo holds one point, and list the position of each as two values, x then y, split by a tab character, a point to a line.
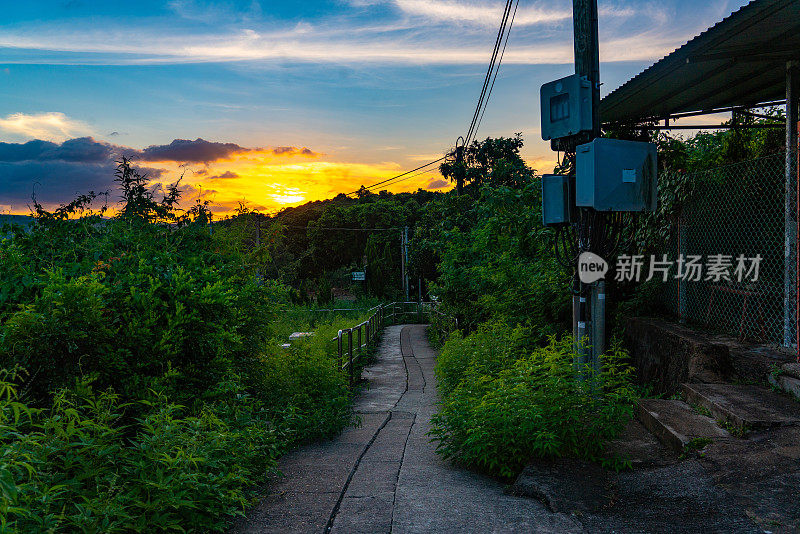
384	476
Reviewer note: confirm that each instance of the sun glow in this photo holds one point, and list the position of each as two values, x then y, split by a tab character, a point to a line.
269	181
289	196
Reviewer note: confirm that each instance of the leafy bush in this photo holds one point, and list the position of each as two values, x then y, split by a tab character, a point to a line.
156	395
84	464
146	299
74	467
504	405
309	394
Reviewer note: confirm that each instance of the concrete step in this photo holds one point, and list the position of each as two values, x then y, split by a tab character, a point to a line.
745	406
676	424
789	384
791	369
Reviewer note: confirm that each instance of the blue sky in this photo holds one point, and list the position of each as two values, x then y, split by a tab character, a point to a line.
371	87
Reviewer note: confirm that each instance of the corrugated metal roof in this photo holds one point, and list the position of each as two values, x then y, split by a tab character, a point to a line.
740	61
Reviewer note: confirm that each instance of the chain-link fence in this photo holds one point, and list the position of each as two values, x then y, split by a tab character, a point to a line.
738	214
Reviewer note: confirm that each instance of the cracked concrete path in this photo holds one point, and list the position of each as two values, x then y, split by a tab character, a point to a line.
384	476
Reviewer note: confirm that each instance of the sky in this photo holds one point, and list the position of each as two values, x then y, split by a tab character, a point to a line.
276	103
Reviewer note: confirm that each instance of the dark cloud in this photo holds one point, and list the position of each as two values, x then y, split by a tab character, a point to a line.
58	182
438	184
87	149
57	172
79	150
293	151
226	174
186	151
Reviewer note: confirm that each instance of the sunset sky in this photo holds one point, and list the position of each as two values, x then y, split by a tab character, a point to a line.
278	103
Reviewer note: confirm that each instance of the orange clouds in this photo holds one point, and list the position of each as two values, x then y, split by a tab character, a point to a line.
225	174
271	179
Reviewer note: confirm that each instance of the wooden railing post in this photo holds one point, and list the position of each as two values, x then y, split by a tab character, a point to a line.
359	340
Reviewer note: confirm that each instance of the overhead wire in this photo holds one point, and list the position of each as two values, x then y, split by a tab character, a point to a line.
344	228
497	69
495	61
489	71
413	176
383	182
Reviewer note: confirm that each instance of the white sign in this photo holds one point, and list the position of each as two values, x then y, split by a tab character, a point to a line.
359	276
591	267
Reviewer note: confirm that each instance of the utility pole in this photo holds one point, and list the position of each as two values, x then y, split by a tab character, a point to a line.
571	121
590	305
460	170
587	52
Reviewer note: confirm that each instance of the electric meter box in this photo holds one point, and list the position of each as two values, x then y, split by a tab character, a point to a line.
566	107
556	199
616	175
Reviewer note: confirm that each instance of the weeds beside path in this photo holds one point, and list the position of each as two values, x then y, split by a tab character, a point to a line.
385	476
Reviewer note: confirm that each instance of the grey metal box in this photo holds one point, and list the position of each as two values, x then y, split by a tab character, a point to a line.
615	175
566	107
555	199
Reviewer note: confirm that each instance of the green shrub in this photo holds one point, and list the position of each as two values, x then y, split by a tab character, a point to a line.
497	261
503	405
75	467
156	395
304	388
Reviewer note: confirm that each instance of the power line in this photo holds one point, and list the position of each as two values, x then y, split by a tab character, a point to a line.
497	69
488	77
413	176
389	228
503	34
399	175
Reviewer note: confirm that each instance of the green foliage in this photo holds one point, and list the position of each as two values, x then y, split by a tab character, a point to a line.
308	393
323	238
497	263
76	467
504	404
684	166
734	429
694	446
132	301
494	162
156	394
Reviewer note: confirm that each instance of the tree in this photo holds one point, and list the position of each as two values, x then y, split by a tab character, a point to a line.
493	161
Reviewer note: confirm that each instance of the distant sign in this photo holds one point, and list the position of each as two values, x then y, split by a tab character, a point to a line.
359	276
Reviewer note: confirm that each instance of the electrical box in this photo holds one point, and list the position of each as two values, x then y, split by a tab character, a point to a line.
566	107
556	199
615	175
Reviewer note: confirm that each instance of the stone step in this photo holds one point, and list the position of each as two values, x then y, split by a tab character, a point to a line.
676	424
743	405
791	369
787	383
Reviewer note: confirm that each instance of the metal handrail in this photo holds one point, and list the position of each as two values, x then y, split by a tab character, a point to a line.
371	329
